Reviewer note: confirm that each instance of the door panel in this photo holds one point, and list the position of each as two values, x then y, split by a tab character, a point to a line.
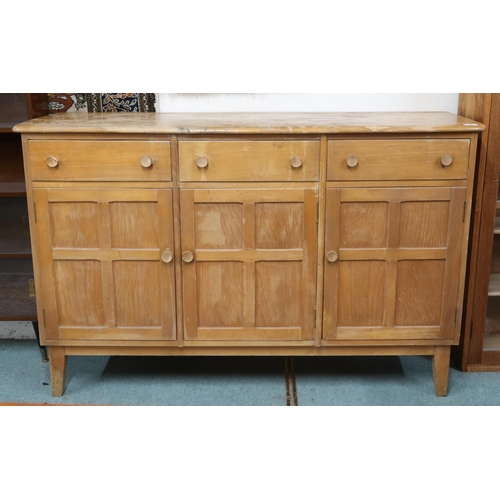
74	225
79	293
278	301
253	271
135	283
219	225
279	225
395	265
220	294
424	224
361	293
419	292
102	250
357	221
134	225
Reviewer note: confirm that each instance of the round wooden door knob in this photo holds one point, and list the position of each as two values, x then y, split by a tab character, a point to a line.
352	161
52	161
202	162
167	256
446	160
187	257
332	256
147	161
296	163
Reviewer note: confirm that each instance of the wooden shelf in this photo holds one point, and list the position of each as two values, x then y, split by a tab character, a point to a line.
494	286
14	228
15	301
11	166
497	226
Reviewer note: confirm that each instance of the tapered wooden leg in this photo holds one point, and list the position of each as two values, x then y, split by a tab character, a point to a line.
441	369
57	369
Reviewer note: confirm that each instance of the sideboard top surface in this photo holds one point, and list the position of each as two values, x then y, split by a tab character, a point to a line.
250	123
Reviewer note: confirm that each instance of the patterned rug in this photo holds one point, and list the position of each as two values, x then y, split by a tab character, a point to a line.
96	103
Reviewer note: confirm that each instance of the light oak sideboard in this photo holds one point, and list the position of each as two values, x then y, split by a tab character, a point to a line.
250	234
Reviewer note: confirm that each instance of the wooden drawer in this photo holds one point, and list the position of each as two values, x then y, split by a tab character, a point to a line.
397	159
225	161
76	160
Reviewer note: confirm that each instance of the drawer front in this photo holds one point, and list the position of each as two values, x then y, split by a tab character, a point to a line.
219	161
74	160
398	159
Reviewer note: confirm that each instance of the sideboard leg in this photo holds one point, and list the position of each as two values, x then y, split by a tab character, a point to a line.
441	369
57	369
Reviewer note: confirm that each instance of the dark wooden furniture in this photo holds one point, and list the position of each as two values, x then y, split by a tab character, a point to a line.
17	292
479	349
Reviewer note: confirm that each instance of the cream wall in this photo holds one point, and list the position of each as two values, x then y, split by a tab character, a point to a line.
306	102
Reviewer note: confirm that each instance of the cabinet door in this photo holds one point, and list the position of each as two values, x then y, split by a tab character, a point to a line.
249	261
392	266
104	258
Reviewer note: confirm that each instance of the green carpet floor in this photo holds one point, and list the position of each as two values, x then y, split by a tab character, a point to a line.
238	381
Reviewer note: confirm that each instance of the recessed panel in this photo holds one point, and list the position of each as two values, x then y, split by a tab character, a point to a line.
220	294
218	225
278	294
363	225
79	293
424	224
361	293
74	225
279	225
419	295
134	224
137	293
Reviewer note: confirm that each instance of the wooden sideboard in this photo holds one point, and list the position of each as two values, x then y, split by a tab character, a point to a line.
250	234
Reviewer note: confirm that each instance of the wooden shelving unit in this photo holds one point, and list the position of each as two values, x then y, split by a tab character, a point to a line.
479	349
17	298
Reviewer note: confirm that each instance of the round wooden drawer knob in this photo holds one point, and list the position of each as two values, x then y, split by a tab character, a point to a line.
295	163
147	161
167	256
352	161
187	257
202	162
446	160
332	256
52	161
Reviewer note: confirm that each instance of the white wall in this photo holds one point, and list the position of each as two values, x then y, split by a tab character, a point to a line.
179	103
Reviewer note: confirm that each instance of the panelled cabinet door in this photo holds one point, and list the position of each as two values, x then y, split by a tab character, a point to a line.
392	263
105	261
249	264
